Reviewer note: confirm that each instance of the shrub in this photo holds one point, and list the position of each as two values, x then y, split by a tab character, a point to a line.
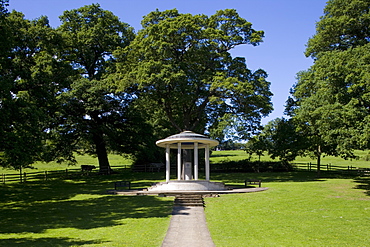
251	166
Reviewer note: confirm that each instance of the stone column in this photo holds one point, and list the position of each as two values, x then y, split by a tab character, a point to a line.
207	161
179	161
196	160
168	163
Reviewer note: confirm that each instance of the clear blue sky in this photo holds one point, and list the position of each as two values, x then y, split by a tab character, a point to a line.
288	24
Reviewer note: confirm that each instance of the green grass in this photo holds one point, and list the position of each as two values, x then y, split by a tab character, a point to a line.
296	210
78	212
337	161
115	160
216	157
235	155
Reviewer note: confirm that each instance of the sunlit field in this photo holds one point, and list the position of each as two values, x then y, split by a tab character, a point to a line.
362	161
298	209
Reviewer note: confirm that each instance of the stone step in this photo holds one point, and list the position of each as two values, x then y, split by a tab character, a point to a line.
190	197
189	204
189	200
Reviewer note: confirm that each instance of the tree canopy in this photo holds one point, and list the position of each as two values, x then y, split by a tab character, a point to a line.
345	24
280	139
182	65
55	98
93	86
95	117
331	99
31	77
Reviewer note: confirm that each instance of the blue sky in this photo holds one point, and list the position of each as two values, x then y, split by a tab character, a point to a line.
288	24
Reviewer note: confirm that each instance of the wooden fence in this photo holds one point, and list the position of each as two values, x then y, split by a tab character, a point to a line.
332	168
23	177
57	174
42	175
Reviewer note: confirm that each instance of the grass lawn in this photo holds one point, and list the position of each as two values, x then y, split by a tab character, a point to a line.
115	160
235	155
78	212
297	210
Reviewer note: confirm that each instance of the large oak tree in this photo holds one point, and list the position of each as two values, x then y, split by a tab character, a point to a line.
95	117
183	67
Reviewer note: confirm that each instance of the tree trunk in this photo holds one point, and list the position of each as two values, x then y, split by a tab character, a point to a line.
101	151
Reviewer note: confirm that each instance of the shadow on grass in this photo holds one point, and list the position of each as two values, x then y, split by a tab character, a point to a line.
27	242
232	178
81	204
81	214
295	176
236	180
222	155
364	184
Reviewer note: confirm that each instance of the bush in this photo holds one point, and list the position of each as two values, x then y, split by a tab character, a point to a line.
251	166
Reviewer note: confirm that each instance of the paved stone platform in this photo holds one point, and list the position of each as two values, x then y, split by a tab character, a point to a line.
172	193
188	228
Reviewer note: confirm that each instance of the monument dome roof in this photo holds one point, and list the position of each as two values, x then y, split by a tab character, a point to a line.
187	140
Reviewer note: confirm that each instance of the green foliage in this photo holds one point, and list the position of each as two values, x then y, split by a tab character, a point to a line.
337	103
4	44
59	92
91	35
279	138
228	166
55	98
182	65
330	103
3	7
95	117
31	77
345	25
230	145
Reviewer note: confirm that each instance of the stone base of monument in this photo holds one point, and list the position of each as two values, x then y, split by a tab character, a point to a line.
188	185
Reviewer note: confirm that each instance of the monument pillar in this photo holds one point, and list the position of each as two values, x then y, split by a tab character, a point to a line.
196	168
179	161
207	161
168	163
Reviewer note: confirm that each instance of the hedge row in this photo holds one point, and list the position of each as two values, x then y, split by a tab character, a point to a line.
251	166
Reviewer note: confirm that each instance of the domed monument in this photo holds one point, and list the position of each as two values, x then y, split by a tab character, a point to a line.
187	144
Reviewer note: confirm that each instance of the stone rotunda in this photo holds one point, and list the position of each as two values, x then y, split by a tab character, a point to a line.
187	144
